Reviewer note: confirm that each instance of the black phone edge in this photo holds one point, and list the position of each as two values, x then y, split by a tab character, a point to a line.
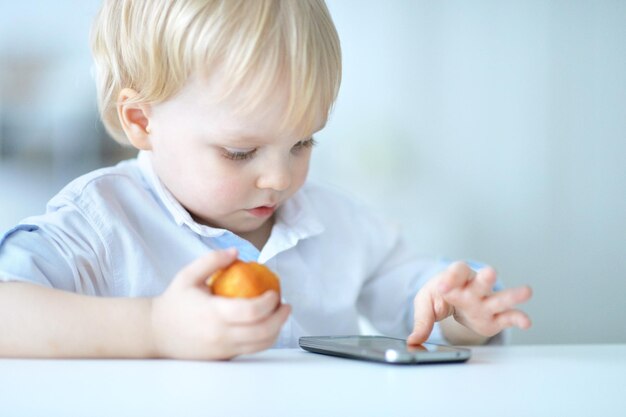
346	355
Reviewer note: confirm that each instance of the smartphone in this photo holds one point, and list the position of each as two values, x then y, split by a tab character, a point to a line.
383	349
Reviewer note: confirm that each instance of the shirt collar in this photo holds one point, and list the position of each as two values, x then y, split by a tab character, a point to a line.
296	218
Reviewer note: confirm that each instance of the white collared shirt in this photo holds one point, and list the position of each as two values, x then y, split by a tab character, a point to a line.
118	232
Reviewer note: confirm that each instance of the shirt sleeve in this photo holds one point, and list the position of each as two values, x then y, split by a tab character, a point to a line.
386	298
59	249
398	273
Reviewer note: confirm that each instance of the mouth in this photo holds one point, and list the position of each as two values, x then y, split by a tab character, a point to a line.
262	211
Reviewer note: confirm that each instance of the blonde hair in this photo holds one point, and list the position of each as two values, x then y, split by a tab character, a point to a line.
154	46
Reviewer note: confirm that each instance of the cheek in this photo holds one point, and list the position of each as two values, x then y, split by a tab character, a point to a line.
300	173
202	184
226	190
223	186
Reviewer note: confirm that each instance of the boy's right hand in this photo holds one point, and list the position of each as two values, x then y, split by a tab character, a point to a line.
188	322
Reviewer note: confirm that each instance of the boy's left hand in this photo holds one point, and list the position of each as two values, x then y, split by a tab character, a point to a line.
468	297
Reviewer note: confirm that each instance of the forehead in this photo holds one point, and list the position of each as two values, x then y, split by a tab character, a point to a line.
204	103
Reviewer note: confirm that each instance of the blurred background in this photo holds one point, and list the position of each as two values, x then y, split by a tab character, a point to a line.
488	130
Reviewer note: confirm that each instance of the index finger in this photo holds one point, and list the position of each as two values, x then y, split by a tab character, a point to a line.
424	318
196	273
247	310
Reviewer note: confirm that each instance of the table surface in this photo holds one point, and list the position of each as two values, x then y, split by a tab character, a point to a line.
543	380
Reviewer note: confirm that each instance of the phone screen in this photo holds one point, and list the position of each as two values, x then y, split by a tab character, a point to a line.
384	343
383	349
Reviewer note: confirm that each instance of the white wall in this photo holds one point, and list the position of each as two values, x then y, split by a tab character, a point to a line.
495	131
491	130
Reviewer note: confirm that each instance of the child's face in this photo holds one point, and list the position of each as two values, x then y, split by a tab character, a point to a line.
227	169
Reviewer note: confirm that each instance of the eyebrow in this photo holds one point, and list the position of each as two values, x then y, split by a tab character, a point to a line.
248	137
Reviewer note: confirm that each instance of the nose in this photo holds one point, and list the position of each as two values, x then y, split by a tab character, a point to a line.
276	175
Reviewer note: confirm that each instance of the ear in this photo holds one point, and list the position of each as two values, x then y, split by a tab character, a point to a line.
135	119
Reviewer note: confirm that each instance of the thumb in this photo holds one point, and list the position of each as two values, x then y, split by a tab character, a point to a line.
197	272
423	318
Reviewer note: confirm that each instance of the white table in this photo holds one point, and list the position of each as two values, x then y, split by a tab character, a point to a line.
557	380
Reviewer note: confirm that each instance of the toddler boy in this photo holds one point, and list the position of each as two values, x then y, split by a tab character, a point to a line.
222	98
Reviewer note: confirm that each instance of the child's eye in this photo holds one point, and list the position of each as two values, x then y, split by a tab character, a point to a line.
242	155
303	144
237	155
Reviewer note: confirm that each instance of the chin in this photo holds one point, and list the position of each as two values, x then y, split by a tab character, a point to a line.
251	225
